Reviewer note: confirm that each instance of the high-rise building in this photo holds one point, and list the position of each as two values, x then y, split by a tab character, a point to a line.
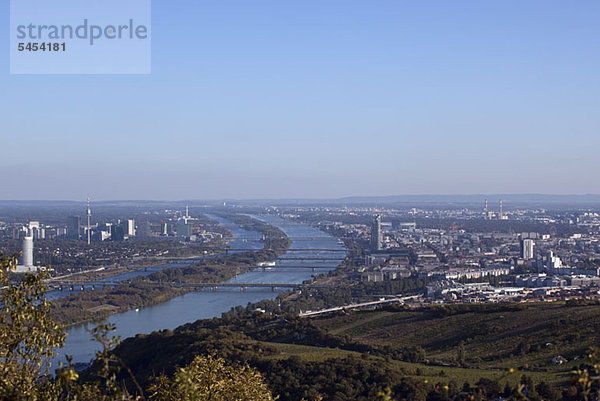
164	228
129	227
117	233
74	227
527	246
184	229
553	262
376	236
27	258
144	229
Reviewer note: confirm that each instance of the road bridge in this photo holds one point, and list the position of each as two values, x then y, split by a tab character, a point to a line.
293	238
324	258
287	250
73	286
372	304
312	267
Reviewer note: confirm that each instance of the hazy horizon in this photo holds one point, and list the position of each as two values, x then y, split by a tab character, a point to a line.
466	197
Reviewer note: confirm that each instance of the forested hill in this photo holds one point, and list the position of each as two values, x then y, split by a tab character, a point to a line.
355	355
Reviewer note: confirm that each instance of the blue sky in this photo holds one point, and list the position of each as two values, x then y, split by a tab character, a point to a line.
328	98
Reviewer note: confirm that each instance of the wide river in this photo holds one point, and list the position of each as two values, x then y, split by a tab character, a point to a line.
205	304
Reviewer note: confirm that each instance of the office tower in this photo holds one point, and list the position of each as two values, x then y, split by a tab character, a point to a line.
376	237
144	229
128	227
184	229
500	215
485	210
74	227
117	233
164	229
27	258
527	246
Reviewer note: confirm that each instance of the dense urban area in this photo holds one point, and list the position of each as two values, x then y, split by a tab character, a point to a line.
466	255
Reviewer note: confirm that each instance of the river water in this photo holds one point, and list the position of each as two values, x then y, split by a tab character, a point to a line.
205	304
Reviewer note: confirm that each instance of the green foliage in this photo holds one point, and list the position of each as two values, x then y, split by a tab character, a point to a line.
586	378
209	378
28	336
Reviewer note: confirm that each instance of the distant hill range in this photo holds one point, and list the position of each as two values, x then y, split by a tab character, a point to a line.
471	200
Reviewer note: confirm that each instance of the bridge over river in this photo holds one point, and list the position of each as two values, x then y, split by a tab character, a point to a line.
312	250
61	285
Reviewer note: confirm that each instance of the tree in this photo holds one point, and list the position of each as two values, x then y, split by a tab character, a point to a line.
586	379
208	378
28	336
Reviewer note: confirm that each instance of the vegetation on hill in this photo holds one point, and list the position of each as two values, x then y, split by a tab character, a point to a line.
429	353
490	336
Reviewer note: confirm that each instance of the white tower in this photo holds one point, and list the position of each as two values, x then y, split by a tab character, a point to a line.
27	257
89	215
